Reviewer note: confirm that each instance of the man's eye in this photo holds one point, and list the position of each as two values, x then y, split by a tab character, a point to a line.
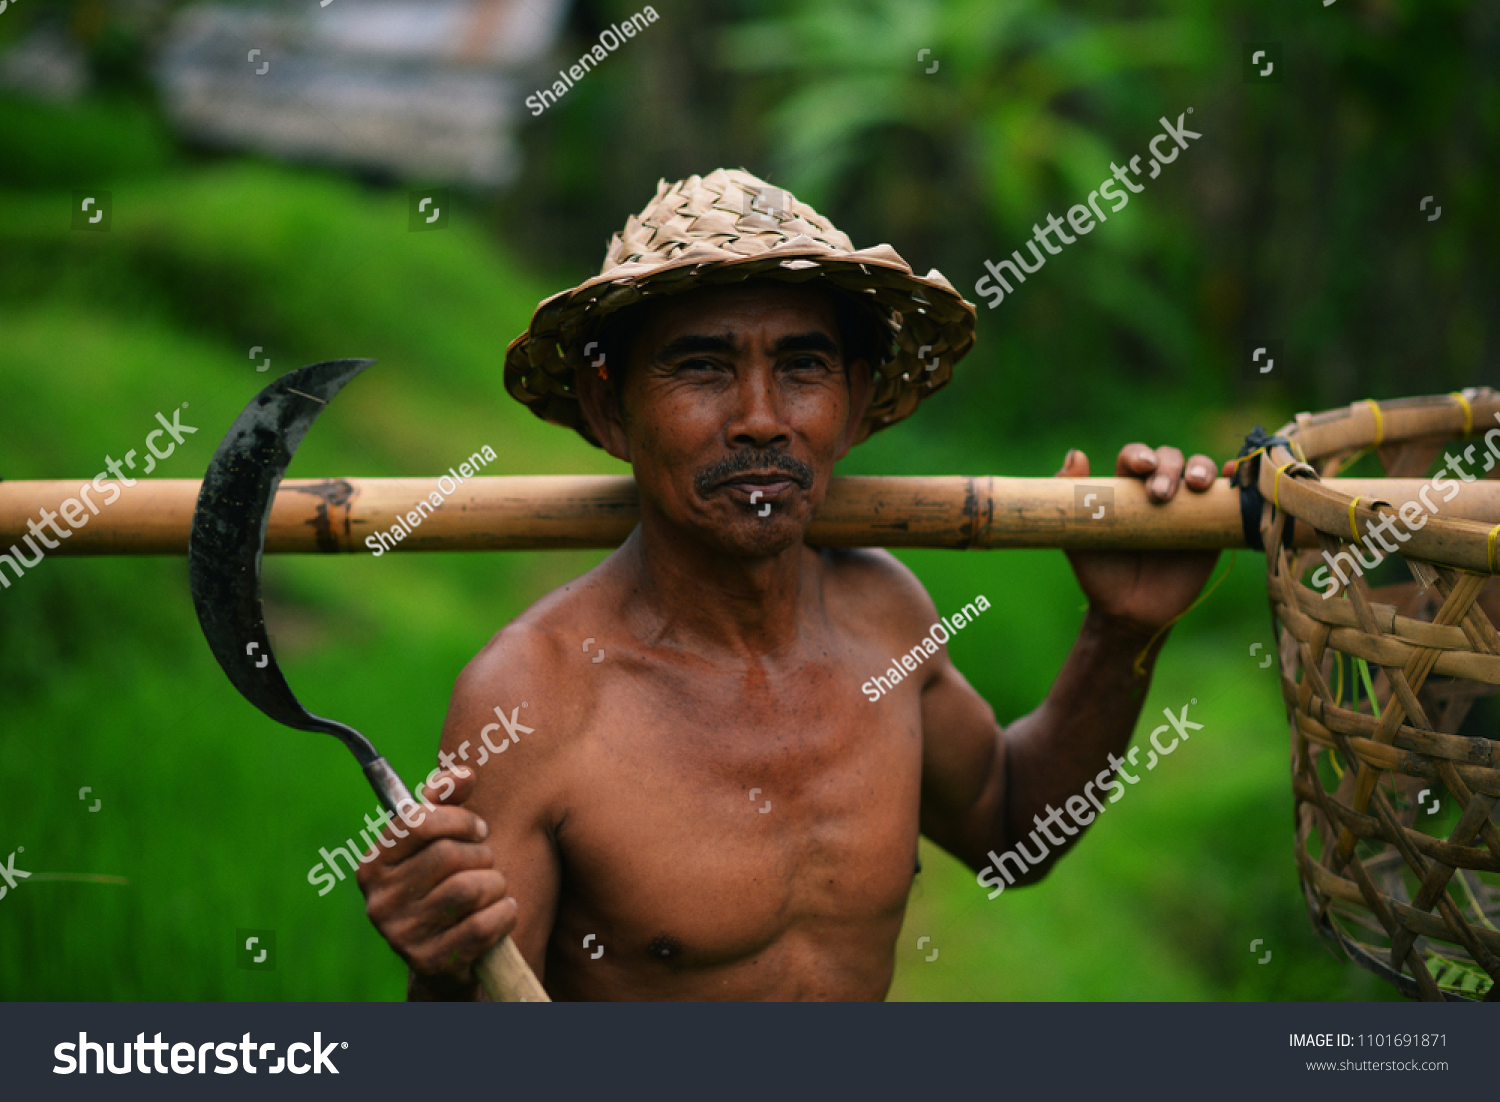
808	363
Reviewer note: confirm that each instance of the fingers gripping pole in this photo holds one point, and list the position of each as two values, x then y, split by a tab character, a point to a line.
503	971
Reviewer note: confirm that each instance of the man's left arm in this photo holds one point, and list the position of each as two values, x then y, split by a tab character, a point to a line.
985	787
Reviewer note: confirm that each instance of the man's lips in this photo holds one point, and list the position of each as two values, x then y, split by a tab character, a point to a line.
771	487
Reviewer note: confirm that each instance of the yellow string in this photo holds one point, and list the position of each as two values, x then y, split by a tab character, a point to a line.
1276	487
1338	697
1296	451
1468	412
1137	667
1352	527
1250	455
1347	463
1493	532
1379	421
1364	672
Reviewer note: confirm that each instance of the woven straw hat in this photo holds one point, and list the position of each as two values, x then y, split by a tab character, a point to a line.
724	228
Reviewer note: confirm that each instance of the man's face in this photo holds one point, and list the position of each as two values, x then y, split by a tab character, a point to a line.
736	399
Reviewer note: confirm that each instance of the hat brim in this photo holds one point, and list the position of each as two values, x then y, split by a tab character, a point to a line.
931	325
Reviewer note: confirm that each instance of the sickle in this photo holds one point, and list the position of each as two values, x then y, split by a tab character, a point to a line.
224	552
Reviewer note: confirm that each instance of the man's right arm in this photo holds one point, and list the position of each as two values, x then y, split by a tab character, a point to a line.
484	863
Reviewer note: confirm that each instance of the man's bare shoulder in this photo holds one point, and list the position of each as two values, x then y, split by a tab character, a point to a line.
536	663
533	644
878	589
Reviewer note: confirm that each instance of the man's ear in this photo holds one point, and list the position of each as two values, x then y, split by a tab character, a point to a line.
600	400
861	388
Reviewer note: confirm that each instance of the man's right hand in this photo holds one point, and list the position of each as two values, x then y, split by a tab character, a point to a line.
436	895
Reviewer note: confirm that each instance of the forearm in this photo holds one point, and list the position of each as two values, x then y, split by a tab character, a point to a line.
1058	752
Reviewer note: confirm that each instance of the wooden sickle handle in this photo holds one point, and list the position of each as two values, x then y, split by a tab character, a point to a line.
507	978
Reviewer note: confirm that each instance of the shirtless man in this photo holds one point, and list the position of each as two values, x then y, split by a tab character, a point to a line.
734	656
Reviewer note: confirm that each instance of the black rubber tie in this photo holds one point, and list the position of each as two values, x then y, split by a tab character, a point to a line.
1252	503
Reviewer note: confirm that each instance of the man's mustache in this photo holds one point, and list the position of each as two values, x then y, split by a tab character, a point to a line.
742	462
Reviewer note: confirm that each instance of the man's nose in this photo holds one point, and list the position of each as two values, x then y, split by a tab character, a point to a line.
757	420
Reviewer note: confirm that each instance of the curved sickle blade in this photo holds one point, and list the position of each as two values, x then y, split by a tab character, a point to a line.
224	550
229	532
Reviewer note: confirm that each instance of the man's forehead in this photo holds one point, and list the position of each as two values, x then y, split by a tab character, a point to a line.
733	310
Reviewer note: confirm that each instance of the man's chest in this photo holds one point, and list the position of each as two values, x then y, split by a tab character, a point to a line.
715	814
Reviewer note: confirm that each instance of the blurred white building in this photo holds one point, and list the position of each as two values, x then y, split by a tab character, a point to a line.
46	65
421	89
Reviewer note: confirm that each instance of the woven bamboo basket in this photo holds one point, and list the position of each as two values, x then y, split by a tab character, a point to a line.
1394	798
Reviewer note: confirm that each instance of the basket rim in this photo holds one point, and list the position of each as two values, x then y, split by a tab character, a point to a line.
1290	484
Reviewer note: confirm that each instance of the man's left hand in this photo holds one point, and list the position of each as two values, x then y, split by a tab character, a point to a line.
1146	588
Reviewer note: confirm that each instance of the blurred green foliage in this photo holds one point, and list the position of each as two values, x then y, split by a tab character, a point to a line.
1296	216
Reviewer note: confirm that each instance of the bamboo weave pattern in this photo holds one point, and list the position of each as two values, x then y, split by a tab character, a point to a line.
1411	895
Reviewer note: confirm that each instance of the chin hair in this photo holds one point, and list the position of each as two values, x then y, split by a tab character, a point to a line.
761	544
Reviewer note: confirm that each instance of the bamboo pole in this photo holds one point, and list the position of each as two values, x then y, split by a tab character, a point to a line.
154	516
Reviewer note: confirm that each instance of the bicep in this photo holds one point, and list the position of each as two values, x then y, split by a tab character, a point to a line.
526	854
513	794
963	766
963	748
